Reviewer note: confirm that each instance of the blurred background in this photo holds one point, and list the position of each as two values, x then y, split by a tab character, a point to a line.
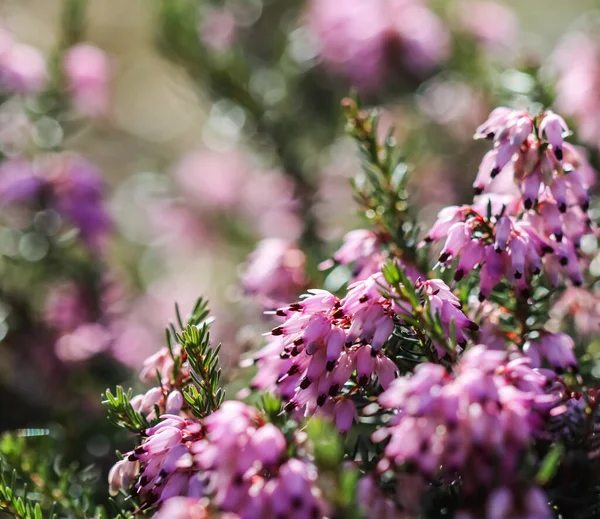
148	147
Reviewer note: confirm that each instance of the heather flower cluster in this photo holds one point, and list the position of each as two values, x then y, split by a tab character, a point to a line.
234	456
363	250
325	341
489	404
328	349
538	226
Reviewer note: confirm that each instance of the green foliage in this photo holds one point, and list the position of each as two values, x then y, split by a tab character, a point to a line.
339	481
550	464
121	413
328	448
73	22
202	391
206	394
33	486
382	191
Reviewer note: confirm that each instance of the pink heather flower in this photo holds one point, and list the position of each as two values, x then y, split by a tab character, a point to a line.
365	252
556	348
250	472
87	70
22	68
163	466
234	456
477	421
275	272
326	343
541	163
218	30
362	249
122	475
154	399
445	304
509	244
323	342
363	40
491	23
162	363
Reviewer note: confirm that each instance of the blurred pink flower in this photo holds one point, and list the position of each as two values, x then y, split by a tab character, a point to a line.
214	180
435	184
268	200
373	502
556	348
334	205
182	508
229	182
84	342
581	305
66	307
141	332
217	30
178	225
22	67
134	341
363	39
18	181
87	70
275	272
23	70
577	62
422	37
491	23
452	103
